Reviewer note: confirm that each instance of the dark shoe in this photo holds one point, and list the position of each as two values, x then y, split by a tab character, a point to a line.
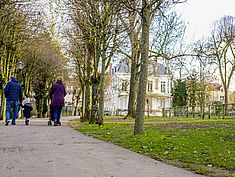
49	123
13	123
55	124
27	122
7	123
59	123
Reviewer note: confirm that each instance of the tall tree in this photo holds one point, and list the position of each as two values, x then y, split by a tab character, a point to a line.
222	49
139	121
95	21
109	44
77	56
48	65
130	21
147	6
12	33
83	48
193	90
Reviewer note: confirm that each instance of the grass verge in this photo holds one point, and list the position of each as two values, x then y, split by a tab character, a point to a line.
203	146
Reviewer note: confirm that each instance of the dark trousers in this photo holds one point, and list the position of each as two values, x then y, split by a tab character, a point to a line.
57	113
9	106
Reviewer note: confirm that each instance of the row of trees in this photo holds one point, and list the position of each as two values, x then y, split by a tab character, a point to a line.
98	32
103	30
95	33
23	39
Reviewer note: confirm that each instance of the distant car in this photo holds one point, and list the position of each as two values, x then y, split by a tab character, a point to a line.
231	112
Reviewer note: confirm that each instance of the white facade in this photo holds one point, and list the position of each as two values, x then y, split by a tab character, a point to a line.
158	93
69	96
116	96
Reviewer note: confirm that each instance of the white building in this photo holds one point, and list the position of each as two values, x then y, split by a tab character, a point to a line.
69	96
158	91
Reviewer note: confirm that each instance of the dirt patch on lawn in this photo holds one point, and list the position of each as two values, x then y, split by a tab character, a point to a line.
175	124
180	125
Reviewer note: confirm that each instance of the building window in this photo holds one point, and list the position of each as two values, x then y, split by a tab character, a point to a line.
163	86
163	103
222	98
150	86
124	85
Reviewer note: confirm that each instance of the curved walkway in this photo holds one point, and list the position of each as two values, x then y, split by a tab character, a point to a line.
41	151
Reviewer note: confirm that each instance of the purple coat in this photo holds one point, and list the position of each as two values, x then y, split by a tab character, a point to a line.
57	94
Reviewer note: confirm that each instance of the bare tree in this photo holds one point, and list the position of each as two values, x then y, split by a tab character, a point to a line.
147	6
130	20
97	26
221	49
139	121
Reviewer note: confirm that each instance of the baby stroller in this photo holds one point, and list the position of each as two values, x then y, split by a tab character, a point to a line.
51	118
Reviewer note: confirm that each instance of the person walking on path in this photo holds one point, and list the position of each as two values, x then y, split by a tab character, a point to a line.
57	94
27	108
13	95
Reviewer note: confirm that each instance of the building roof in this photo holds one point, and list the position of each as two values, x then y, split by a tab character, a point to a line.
213	86
161	69
122	67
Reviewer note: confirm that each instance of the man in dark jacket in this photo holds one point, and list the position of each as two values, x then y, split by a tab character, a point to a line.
13	94
57	94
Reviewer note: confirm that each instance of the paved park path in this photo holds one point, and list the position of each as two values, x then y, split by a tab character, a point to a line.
41	151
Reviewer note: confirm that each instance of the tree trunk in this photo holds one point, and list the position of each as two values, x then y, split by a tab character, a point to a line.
226	101
87	102
39	107
76	107
139	121
95	100
102	80
133	90
95	82
44	107
83	87
87	114
77	98
134	76
226	95
133	34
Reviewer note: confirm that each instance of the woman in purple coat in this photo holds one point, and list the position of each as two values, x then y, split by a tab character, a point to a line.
57	94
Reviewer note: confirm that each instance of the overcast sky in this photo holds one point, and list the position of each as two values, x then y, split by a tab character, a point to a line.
200	14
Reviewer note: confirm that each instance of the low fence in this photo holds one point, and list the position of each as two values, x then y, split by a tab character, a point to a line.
67	111
221	110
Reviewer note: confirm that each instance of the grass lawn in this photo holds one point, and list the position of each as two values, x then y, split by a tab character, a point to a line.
204	146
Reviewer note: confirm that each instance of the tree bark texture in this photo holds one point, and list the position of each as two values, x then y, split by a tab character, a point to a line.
134	76
133	88
95	100
101	100
87	113
139	121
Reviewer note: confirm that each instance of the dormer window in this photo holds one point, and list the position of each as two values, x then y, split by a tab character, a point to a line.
124	85
150	86
163	86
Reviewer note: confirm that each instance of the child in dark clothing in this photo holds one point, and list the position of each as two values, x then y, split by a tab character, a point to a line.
27	108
